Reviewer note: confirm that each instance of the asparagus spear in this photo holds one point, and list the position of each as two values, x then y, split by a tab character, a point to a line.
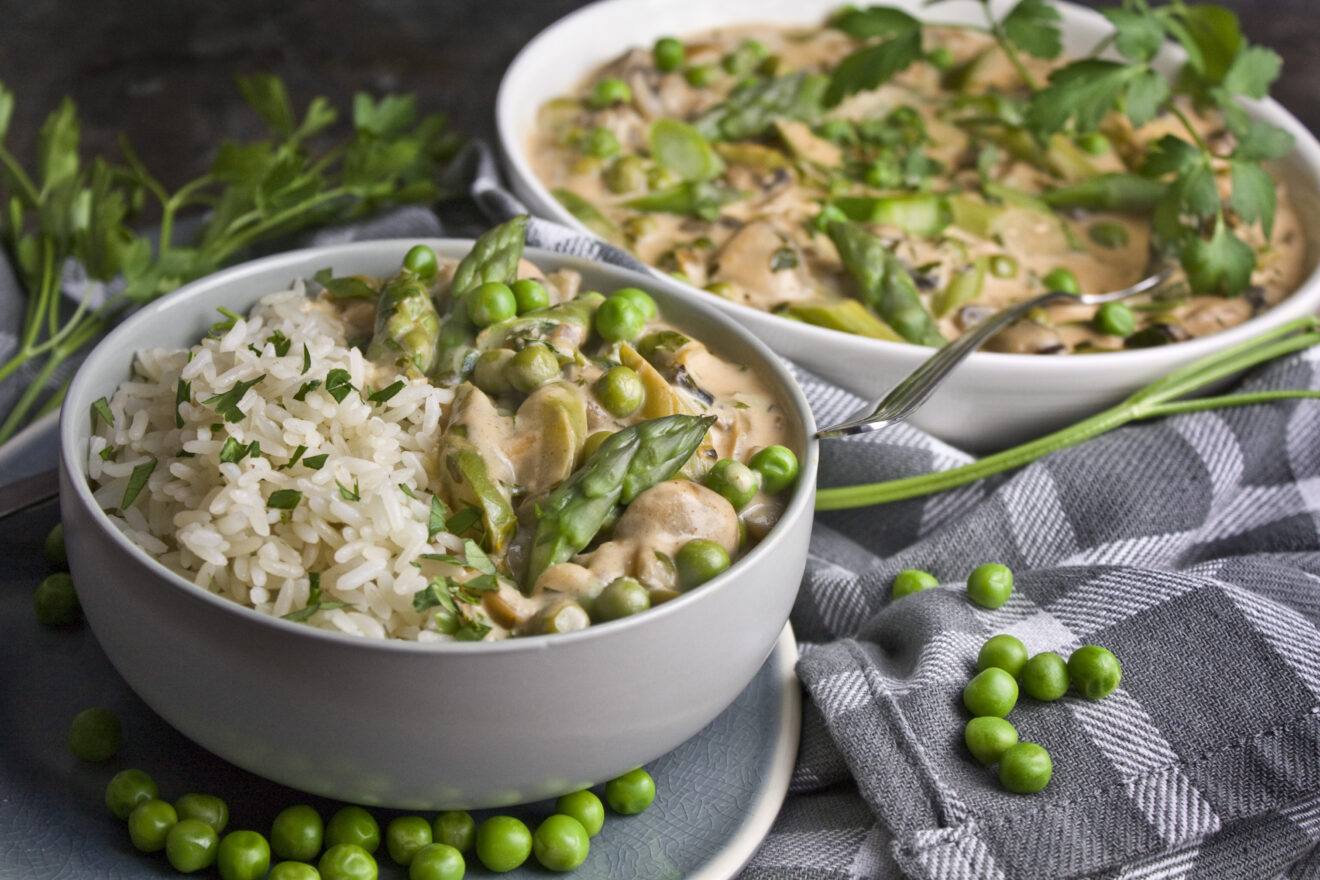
494	257
407	326
750	110
1109	192
627	463
886	287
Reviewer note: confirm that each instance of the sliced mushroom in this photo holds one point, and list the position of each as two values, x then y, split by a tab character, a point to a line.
748	260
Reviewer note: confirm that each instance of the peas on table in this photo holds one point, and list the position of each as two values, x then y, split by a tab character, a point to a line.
619	390
529	294
55	601
630	793
95	735
127	789
1061	280
618	319
988	737
297	833
491	303
609	91
191	845
561	843
438	861
990	585
352	824
992	692
347	861
531	368
421	261
585	807
1003	651
243	855
1094	671
149	823
1045	676
206	807
622	597
405	836
503	843
1025	768
778	467
911	580
669	54
56	554
698	561
293	871
454	828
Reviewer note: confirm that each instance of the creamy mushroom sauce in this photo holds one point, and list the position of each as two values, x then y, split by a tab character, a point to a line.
786	177
528	451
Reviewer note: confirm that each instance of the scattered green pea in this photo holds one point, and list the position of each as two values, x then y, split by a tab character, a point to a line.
722	289
988	737
405	836
608	92
778	467
191	845
622	597
127	789
55	601
454	828
1003	266
1061	280
626	174
421	261
352	824
1094	143
489	372
618	320
491	303
734	481
911	580
991	692
600	143
585	807
439	861
297	833
640	299
630	793
531	368
56	554
149	823
1107	234
1025	768
620	391
701	75
243	855
95	735
1094	671
348	861
669	54
698	561
640	227
205	807
1045	677
990	585
529	295
1003	651
503	843
1114	319
293	871
561	843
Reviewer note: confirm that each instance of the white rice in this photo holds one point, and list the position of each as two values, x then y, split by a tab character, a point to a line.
209	521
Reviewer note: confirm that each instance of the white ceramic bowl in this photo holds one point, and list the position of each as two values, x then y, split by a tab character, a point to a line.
420	725
993	400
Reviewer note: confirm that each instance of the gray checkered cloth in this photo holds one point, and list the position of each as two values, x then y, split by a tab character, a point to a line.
1189	546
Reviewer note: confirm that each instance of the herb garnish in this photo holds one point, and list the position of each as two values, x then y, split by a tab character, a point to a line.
226	404
438	519
348	494
384	394
101	409
308	386
280	342
338	384
181	396
316	462
136	481
284	499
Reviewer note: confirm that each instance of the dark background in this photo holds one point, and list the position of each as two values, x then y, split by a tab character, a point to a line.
161	71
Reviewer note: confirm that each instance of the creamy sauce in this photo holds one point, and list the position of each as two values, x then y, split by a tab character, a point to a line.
786	176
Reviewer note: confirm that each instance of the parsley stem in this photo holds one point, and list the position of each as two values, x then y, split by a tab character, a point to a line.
30	394
1191	129
997	31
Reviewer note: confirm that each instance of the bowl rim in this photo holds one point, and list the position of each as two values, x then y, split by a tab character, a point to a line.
73	459
991	366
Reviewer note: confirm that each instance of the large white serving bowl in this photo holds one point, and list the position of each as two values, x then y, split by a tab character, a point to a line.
411	725
993	400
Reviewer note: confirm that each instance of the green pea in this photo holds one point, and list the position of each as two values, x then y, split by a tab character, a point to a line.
669	54
439	861
735	481
620	391
912	580
529	295
95	734
1094	143
1061	280
243	855
55	601
698	561
778	467
127	789
191	845
626	174
490	372
722	289
1025	768
353	825
454	828
992	692
701	75
421	261
640	227
1003	651
640	299
622	597
491	303
1003	266
56	554
1114	319
585	807
561	843
293	871
1045	676
1107	234
630	793
600	143
585	166
608	92
1094	671
990	585
942	58
206	807
531	368
618	320
347	861
404	836
988	737
297	833
149	824
503	843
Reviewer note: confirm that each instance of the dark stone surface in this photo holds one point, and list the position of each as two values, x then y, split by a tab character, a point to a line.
161	71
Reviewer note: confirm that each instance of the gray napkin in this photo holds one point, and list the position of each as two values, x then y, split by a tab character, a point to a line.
1189	546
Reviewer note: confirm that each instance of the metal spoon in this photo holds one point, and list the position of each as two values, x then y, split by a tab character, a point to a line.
905	397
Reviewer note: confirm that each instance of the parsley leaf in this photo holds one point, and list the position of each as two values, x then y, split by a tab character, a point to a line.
307	387
348	494
307	361
439	514
226	404
1083	91
1033	27
136	482
874	21
297	454
181	396
472	630
1223	263
1253	196
871	66
1137	37
316	462
284	499
280	342
338	383
384	394
101	410
463	520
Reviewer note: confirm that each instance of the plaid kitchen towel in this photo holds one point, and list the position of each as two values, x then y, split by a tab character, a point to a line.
1189	546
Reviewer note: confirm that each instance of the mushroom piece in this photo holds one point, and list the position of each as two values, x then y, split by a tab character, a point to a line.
751	260
1026	337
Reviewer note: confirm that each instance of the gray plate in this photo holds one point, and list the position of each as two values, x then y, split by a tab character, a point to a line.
718	792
